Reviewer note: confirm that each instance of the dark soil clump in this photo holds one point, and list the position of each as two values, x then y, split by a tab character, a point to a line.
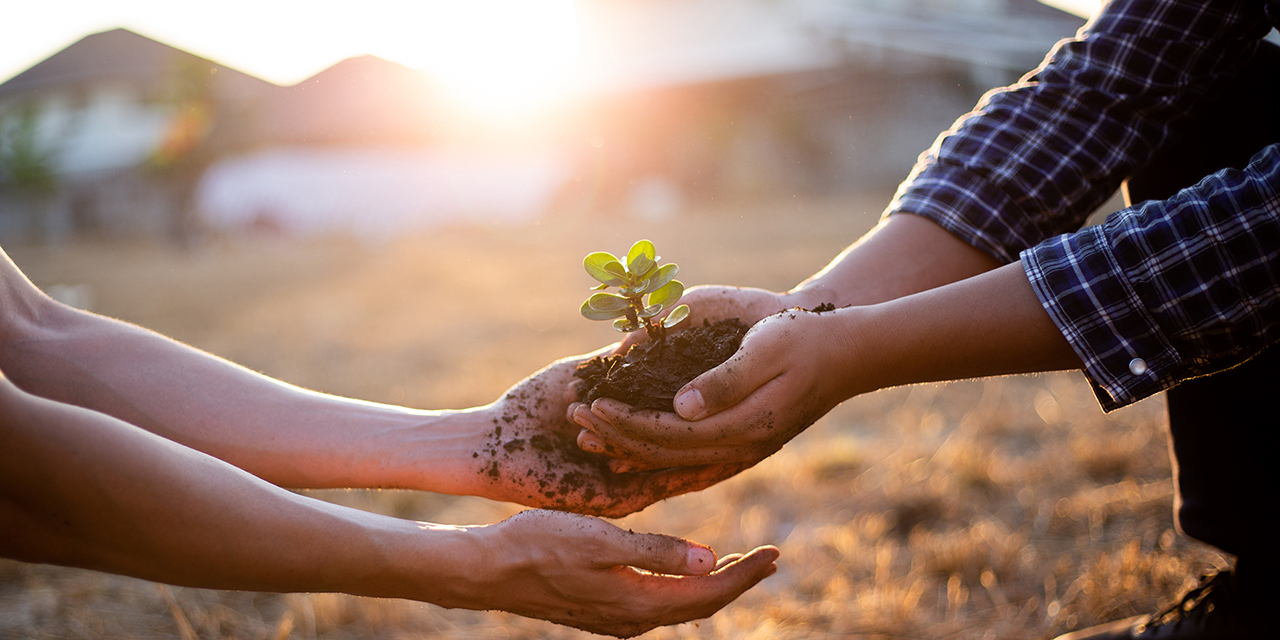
650	374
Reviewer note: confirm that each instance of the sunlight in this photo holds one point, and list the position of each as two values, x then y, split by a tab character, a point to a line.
1082	8
498	57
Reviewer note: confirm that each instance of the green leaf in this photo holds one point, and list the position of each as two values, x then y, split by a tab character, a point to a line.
618	271
607	302
677	314
667	295
641	257
666	274
598	265
650	311
596	314
653	271
624	325
635	289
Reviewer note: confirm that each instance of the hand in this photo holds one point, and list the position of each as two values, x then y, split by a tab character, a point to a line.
790	371
530	456
706	303
718	302
578	571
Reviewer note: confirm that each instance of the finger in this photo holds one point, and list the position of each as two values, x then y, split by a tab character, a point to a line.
590	442
673	482
634	455
700	597
700	456
618	465
573	406
729	383
588	438
726	560
666	599
657	553
757	560
636	431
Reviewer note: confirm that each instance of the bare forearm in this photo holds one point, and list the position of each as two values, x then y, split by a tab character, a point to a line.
904	254
287	435
84	489
990	324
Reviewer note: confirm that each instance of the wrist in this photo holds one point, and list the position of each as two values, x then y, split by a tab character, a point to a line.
425	451
470	565
852	338
810	294
439	564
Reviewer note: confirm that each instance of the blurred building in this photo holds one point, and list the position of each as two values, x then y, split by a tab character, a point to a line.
724	99
685	100
111	135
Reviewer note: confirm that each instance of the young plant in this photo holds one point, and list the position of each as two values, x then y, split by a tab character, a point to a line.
639	277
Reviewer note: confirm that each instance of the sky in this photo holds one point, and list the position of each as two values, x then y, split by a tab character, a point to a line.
490	51
496	55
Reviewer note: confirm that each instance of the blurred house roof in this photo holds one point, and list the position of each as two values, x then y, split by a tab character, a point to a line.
637	44
358	100
122	55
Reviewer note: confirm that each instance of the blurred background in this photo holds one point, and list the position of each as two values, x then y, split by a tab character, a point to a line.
182	123
353	200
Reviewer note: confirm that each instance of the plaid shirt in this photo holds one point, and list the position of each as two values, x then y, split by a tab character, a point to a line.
1162	291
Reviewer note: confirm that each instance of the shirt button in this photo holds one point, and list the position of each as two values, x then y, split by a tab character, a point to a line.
1137	366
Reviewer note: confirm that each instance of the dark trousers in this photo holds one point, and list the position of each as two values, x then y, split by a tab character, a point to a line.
1224	428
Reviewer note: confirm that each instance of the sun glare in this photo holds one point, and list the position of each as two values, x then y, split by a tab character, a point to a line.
499	57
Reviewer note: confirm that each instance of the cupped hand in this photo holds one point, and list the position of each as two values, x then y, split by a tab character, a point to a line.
530	455
587	573
792	368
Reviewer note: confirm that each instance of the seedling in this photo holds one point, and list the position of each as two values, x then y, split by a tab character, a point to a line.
638	278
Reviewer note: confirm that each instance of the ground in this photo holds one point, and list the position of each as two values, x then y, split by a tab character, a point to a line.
999	508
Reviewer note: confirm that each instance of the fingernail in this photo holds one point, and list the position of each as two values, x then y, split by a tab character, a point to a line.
621	467
590	445
689	404
700	560
580	417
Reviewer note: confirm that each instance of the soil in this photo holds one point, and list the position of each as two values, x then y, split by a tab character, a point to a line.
650	374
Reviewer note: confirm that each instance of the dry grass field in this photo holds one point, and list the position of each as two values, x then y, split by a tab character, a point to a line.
985	509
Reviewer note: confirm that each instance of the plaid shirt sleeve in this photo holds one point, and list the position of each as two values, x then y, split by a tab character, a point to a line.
1035	159
1182	287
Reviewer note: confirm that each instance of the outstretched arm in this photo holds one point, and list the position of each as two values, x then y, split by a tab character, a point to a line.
902	255
276	431
81	488
520	448
795	366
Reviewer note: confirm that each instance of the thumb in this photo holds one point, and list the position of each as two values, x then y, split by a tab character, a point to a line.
725	385
665	554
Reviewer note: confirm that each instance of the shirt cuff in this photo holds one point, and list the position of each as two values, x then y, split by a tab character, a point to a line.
1080	284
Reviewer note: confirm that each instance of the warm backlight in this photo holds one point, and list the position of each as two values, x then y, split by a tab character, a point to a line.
498	57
